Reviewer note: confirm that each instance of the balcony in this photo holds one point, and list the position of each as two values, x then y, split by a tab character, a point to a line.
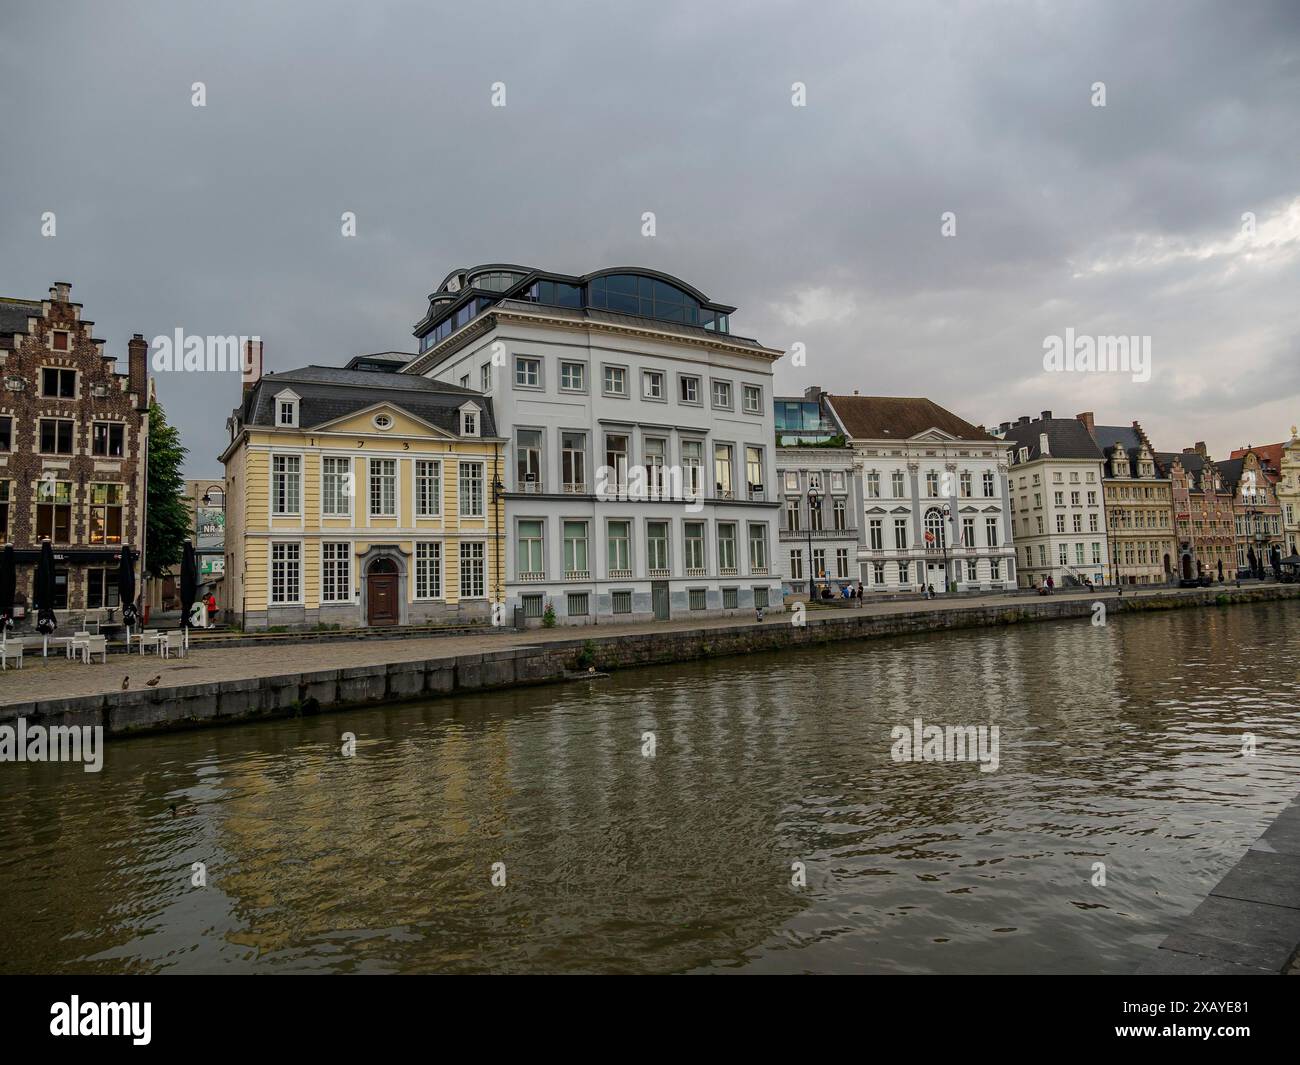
697	572
758	571
620	575
728	571
577	575
531	487
659	574
527	577
575	488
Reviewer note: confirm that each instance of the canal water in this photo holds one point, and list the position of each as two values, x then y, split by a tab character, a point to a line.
1120	745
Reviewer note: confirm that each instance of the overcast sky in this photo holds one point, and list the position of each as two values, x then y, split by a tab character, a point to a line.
821	223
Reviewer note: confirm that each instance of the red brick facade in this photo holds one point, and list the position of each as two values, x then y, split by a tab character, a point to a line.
69	481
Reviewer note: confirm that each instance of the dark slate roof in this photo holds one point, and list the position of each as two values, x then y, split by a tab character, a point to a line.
329	392
899	418
1230	471
396	359
1067	438
596	314
14	314
1107	436
1193	462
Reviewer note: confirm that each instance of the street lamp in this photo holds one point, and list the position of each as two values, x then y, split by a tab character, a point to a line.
814	501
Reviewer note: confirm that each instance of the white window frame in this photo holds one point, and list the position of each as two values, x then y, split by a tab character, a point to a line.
461	497
581	367
296	457
370	489
286	399
481	558
421	569
418	496
271	600
331	569
522	364
348	480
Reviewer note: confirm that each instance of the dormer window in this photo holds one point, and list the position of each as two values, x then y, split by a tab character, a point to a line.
286	410
469	420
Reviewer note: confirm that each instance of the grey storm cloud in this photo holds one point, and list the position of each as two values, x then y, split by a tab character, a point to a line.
822	223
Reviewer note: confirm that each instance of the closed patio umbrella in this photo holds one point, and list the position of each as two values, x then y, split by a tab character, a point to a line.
8	583
46	622
189	585
126	589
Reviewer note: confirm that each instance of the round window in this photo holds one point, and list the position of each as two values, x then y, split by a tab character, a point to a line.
383	421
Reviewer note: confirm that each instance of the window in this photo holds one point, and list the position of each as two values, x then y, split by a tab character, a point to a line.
722	471
286	412
988	483
6	434
839	513
286	573
967	532
1078	554
471	489
573	462
473	577
57	383
688	389
59	340
730	599
383	488
873	484
101	588
796	565
575	550
815	515
656	541
616	456
336	486
655	453
106	513
972	572
877	535
694	544
469	421
760	598
897	483
904	573
619	543
758	548
753	399
286	484
335	572
841	562
652	384
528	460
965	483
615	379
792	515
698	598
1060	523
106	439
932	483
56	436
722	395
485	377
528	549
428	488
428	569
754	471
995	569
934	528
819	562
4	512
573	377
576	605
528	372
54	511
622	602
693	468
727	548
991	531
900	534
534	605
877	573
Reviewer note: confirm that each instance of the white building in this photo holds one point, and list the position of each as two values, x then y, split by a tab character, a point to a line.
1057	504
641	466
936	508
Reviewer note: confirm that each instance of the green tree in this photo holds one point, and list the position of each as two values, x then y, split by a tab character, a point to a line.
167	521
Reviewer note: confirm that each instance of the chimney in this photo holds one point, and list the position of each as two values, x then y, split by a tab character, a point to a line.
1043	448
1024	420
1200	448
61	292
1046	415
1087	420
137	368
251	371
812	393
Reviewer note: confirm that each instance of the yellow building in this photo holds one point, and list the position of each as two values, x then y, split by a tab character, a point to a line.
361	497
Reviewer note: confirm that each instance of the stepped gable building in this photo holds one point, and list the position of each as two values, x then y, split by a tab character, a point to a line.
73	441
821	495
936	502
1138	498
1288	493
361	497
640	473
1057	508
1257	515
1203	514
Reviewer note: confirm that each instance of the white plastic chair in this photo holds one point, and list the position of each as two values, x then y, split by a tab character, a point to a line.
10	650
172	640
75	644
95	645
150	637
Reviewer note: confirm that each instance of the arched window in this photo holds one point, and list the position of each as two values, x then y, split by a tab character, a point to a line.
934	525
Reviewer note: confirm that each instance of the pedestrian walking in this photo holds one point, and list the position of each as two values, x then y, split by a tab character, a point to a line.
859	595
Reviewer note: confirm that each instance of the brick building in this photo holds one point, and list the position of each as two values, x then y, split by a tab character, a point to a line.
73	439
1203	516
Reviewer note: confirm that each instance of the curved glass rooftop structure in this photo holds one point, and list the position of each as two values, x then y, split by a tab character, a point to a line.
466	293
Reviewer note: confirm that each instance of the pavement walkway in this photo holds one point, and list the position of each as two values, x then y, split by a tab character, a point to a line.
57	678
